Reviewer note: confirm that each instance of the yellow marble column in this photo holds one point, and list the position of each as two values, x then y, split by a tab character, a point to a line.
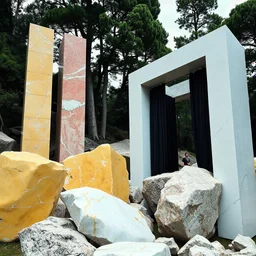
38	91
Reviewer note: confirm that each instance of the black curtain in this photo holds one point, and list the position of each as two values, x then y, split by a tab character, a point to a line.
163	132
200	119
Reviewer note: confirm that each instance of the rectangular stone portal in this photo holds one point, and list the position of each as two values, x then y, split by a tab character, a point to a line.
71	98
230	127
38	91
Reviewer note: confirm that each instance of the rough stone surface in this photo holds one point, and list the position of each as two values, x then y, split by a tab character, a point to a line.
142	209
244	252
196	240
122	147
54	237
170	242
152	187
242	242
201	251
89	144
135	195
6	143
145	204
101	168
104	218
60	210
191	199
219	247
134	249
30	188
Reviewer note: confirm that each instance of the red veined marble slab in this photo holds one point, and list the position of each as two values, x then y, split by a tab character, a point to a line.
71	98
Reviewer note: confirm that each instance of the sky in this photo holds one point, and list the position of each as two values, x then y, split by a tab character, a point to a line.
168	15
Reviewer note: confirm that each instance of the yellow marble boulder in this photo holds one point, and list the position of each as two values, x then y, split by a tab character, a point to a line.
29	191
255	164
101	168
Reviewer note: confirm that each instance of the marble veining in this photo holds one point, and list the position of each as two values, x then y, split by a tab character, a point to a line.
38	91
71	111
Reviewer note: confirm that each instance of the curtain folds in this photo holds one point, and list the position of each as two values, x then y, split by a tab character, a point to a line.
163	132
200	119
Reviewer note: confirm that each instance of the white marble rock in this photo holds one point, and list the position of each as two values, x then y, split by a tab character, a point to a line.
104	218
189	204
219	247
202	251
134	249
54	237
170	242
242	242
196	240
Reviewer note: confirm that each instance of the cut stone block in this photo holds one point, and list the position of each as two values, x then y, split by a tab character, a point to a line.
101	168
29	192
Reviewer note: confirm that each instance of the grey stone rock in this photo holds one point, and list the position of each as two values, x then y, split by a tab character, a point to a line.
54	237
60	209
152	187
6	143
170	242
145	205
134	249
202	251
135	195
242	242
196	240
123	148
189	204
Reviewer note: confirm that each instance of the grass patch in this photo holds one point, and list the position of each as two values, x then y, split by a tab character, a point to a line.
10	249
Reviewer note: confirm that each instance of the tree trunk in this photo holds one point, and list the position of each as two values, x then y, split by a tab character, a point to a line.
91	117
104	103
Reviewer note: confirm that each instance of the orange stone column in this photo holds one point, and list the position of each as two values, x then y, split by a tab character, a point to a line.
71	98
38	91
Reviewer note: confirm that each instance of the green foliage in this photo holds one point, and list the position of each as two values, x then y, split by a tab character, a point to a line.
197	17
184	126
8	99
242	22
10	249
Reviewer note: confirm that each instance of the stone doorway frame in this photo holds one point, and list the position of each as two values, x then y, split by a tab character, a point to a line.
230	127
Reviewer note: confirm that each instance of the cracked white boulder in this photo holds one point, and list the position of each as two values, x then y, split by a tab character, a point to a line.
56	237
104	218
189	204
134	249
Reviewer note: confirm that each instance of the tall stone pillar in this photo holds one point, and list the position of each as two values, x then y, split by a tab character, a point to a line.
38	91
71	98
